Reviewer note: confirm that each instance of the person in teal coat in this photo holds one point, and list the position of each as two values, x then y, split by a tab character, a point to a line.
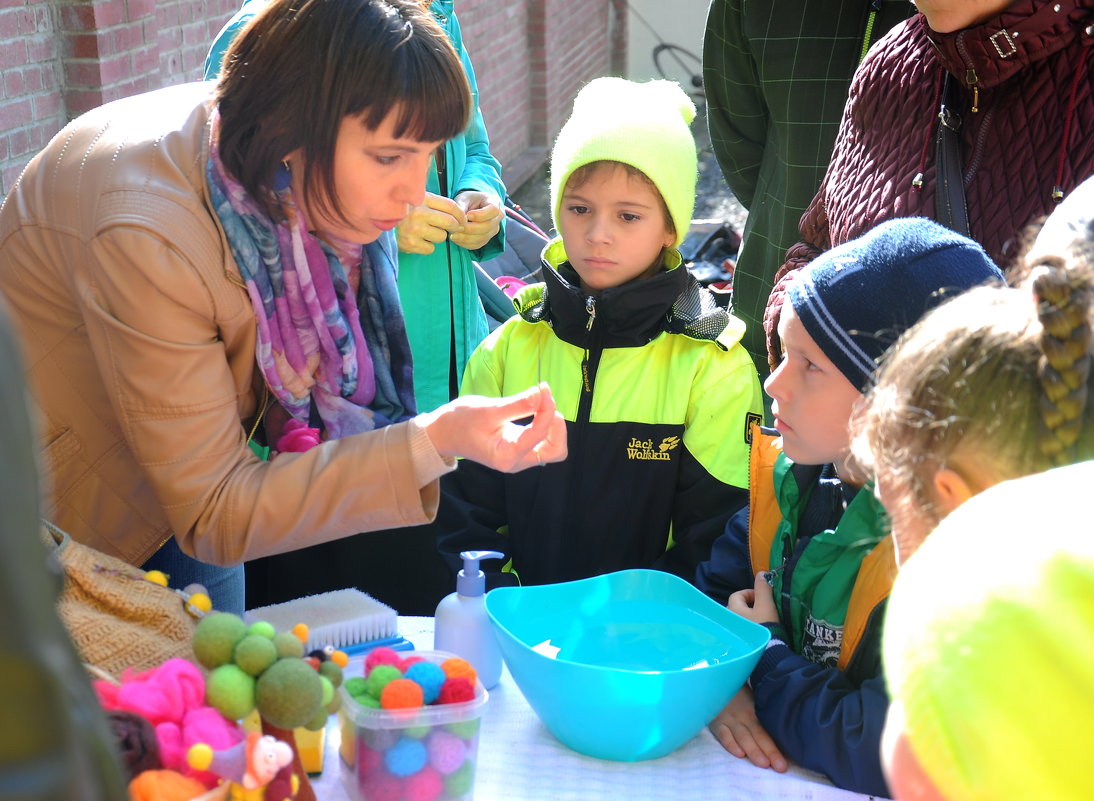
461	221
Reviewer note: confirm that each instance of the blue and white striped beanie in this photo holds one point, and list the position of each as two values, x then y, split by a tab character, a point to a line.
856	299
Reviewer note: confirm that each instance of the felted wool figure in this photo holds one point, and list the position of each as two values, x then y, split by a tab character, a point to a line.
164	785
252	763
172	698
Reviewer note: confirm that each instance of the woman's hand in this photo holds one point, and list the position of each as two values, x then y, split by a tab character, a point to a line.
740	732
482	429
757	604
430	223
482	214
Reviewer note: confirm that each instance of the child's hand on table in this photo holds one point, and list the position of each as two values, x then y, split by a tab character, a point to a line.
739	731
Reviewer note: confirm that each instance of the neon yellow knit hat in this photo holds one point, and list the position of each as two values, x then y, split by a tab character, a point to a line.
989	643
644	125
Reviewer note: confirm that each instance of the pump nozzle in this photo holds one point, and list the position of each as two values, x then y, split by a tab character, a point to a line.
471	581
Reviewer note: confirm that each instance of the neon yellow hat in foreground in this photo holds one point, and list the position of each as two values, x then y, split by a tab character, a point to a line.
989	643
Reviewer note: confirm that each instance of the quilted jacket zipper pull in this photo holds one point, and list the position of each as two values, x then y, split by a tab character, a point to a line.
973	80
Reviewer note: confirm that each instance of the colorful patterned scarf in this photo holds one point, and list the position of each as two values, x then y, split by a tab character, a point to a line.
318	346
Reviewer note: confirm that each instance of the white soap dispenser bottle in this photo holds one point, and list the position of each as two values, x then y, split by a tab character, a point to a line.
461	625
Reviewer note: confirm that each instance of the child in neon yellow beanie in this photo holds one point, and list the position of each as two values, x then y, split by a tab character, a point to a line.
989	649
647	367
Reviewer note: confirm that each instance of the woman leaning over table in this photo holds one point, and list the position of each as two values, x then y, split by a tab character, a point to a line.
193	269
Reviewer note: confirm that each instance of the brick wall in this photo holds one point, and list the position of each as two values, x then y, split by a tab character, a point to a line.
60	58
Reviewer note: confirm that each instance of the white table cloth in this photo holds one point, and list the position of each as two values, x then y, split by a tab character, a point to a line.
519	760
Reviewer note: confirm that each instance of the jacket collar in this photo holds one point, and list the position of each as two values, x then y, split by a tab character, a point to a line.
626	316
1028	31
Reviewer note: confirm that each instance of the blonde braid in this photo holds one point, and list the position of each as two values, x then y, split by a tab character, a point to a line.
1063	299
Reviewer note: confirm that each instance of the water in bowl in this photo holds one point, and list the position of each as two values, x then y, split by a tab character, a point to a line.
637	635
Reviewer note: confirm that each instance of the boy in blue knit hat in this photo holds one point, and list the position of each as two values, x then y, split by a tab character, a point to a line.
811	557
646	368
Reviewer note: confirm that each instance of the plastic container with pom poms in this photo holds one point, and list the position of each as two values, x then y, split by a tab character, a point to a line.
410	727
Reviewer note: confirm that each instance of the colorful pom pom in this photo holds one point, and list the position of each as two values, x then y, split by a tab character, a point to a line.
467	729
455	691
429	677
409	661
454	668
368	759
425	785
458	784
379	677
446	751
406	757
378	786
381	656
401	694
380	739
356	686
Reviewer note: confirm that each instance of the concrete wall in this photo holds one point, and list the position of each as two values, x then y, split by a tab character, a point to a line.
60	58
653	22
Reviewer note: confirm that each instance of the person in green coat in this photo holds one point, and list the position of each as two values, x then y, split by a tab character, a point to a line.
776	76
461	221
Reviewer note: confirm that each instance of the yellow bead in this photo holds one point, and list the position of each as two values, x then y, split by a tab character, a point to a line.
156	577
201	601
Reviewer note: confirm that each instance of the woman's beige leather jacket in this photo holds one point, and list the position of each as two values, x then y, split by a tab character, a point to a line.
139	339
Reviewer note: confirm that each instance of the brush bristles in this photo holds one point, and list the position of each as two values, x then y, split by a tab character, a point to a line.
339	618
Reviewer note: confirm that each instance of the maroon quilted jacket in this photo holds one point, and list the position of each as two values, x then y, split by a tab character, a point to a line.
1029	72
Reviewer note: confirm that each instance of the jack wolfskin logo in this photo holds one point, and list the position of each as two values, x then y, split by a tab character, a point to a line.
752	419
645	449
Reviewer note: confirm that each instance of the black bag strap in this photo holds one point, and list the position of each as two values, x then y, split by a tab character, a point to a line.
950	208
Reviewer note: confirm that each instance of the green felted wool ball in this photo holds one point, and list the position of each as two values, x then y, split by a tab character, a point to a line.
379	677
230	691
458	783
331	671
288	645
288	693
263	629
367	700
215	638
328	690
356	686
335	704
417	732
254	653
464	728
318	722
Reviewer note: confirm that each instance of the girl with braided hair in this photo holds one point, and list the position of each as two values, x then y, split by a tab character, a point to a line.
994	385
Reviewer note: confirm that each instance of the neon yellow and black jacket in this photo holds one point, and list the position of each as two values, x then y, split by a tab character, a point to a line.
657	393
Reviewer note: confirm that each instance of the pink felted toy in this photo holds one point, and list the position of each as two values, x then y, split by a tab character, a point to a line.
172	698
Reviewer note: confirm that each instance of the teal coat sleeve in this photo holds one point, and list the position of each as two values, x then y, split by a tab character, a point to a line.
474	165
229	32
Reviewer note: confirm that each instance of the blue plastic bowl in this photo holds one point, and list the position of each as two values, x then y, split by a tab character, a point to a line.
625	666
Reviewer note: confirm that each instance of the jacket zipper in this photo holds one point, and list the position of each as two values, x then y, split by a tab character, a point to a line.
590	361
972	80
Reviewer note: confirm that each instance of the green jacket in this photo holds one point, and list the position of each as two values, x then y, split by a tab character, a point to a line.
656	392
438	291
776	76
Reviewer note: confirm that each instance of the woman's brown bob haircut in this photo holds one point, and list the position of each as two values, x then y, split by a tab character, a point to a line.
301	66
